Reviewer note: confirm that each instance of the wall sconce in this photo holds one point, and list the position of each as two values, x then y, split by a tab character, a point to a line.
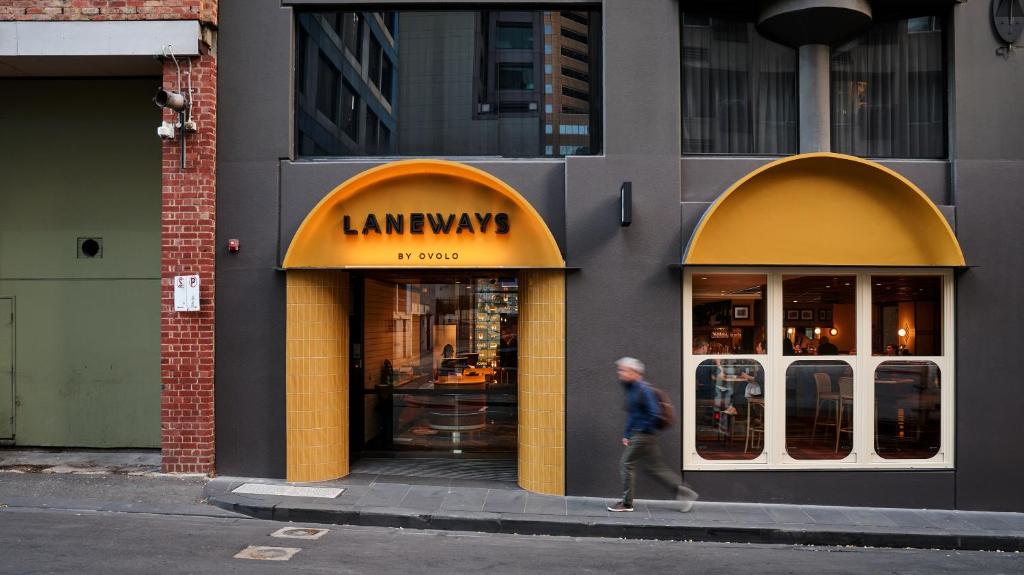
789	331
817	331
833	332
626	204
905	333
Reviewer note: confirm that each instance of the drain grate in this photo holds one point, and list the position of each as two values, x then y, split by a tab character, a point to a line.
288	490
261	553
299	533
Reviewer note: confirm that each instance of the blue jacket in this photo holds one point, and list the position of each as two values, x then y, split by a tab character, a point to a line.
642	406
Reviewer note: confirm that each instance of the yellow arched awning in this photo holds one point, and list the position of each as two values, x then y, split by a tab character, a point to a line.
423	214
824	209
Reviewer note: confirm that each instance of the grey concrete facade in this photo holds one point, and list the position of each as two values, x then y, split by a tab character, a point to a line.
623	298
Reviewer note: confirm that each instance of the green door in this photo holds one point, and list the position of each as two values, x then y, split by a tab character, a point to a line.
6	368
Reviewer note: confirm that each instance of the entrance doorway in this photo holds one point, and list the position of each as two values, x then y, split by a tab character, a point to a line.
434	366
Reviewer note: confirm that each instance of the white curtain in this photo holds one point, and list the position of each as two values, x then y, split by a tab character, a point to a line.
739	90
889	91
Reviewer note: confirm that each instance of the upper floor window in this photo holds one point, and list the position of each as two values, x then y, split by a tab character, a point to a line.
739	90
889	91
511	83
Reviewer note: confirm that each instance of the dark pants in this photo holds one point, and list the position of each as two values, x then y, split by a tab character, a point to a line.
643	450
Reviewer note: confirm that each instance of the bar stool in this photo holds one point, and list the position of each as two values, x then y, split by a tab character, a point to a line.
823	386
845	397
755	424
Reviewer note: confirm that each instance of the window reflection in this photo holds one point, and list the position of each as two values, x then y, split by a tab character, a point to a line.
729	314
819	315
819	409
515	83
906	315
908	409
441	363
730	409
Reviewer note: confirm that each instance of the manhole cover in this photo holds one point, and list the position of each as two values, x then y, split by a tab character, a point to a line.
267	553
300	533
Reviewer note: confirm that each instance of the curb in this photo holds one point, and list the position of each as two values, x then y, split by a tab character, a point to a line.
596	527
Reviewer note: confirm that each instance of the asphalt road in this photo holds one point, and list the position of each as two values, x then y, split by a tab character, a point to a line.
36	540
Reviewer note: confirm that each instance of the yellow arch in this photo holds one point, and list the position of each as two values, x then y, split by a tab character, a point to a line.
824	209
423	187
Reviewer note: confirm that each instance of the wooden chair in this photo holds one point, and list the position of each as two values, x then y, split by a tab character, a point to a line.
823	386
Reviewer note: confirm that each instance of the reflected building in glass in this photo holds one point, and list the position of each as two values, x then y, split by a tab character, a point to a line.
508	83
344	80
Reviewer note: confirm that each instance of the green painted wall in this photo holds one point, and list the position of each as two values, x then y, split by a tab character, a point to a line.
80	158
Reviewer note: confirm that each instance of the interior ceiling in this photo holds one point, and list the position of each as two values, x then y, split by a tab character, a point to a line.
728	286
816	289
819	289
881	9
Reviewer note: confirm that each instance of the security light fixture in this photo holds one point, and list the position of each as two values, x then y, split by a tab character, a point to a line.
170	99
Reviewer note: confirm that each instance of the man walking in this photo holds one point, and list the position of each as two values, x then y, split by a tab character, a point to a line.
640	440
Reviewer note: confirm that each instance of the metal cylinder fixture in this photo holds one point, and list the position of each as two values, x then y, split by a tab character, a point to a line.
815	123
801	22
813	26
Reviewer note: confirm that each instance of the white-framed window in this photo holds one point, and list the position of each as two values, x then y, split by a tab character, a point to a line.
818	368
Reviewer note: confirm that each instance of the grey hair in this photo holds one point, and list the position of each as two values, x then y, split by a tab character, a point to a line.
630	363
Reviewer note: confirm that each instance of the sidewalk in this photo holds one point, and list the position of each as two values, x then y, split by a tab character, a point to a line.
499	507
129	482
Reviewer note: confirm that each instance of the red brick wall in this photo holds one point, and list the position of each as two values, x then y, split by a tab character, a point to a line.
187	222
188	227
204	10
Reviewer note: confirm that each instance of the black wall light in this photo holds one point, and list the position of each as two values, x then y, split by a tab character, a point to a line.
626	204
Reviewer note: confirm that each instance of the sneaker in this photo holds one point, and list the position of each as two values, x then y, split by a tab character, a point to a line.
686	497
620	506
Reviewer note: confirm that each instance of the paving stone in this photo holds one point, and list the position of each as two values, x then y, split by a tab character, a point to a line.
711	512
868	517
750	515
464	499
787	514
502	501
384	495
990	521
827	515
587	506
545	504
425	497
907	518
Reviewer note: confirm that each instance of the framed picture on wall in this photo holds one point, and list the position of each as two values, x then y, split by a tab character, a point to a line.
807	315
741	315
821	315
793	314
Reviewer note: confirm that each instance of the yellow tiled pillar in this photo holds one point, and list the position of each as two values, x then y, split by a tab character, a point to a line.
316	374
542	381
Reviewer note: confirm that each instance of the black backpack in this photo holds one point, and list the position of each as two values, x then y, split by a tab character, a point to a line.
666	415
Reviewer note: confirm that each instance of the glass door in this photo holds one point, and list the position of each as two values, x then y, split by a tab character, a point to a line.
439	364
